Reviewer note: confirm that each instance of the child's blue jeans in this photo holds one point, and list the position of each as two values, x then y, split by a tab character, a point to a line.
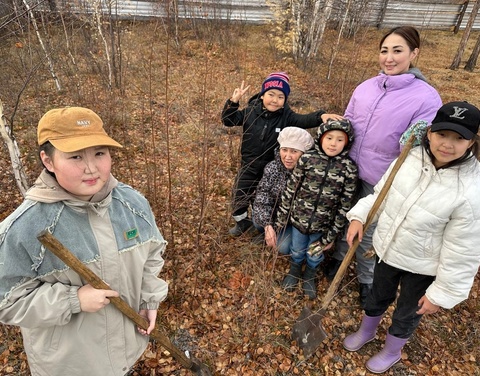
284	238
299	248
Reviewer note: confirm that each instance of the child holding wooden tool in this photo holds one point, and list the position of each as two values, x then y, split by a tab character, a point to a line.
68	327
427	237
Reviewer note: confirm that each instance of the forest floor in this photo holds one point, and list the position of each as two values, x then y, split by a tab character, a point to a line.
225	304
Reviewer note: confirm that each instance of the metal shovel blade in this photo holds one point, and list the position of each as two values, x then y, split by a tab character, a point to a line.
308	331
199	368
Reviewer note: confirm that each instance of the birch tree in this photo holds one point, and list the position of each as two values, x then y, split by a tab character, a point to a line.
13	151
97	16
310	19
466	34
51	67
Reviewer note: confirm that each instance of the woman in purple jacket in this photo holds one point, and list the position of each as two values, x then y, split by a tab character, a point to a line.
381	109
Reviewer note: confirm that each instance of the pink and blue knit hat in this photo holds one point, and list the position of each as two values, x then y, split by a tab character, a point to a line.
277	80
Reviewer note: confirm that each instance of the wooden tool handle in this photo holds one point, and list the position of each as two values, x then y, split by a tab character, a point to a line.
59	250
332	289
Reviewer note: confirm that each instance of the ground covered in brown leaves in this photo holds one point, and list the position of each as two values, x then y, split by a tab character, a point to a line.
225	304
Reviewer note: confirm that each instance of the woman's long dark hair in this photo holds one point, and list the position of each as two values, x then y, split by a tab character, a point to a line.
472	152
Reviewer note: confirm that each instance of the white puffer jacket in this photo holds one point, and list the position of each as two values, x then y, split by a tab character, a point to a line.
429	224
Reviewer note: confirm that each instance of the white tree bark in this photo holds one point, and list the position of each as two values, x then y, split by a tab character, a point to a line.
310	20
40	40
320	18
97	14
18	171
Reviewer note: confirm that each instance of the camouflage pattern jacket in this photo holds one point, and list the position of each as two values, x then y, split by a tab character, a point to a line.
320	191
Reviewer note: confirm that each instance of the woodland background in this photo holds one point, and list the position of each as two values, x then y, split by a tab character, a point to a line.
160	88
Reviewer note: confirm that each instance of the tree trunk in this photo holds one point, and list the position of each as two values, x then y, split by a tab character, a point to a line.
340	33
382	14
465	36
315	35
97	17
472	60
19	173
40	40
460	17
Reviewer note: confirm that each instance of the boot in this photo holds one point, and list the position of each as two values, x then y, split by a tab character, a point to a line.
365	334
310	282
240	227
332	269
291	279
364	291
388	356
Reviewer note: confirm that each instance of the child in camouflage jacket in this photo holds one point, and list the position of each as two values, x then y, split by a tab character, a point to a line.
318	196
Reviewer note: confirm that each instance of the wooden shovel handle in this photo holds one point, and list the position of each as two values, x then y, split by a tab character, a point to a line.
59	250
332	289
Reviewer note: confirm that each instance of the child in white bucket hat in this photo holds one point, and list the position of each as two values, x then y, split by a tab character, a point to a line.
293	143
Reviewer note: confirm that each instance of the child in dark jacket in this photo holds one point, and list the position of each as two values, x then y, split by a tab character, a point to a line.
266	114
317	198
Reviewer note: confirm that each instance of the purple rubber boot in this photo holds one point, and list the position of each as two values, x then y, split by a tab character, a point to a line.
366	333
388	356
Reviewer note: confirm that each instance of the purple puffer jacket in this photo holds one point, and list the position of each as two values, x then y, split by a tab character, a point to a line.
381	109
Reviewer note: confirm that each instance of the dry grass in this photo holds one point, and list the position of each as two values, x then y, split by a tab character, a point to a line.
223	292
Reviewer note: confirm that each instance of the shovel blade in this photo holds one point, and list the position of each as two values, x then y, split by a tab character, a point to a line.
308	331
200	369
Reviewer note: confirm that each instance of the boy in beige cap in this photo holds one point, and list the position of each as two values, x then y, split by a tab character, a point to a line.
68	326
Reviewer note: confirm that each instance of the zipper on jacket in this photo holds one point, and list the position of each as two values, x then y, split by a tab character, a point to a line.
262	136
322	184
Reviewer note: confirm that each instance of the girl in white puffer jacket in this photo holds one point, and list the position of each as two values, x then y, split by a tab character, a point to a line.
427	237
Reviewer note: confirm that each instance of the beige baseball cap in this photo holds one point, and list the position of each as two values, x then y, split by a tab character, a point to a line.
73	128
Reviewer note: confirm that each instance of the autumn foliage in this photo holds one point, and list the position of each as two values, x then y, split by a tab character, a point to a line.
225	304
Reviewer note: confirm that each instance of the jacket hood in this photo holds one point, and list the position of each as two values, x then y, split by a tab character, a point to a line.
416	72
341	125
47	190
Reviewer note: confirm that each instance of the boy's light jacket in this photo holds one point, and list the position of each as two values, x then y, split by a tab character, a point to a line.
320	190
429	224
115	235
381	109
